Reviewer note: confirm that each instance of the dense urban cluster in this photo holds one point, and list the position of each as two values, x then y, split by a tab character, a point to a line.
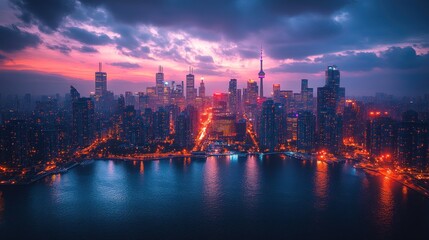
42	133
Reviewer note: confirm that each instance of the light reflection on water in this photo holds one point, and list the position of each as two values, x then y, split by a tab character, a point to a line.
251	181
321	185
211	186
220	197
385	206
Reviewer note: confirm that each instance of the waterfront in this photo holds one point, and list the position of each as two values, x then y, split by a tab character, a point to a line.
218	197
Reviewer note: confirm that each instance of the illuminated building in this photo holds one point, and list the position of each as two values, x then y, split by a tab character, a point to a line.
381	134
250	99
159	77
194	120
261	76
271	125
223	126
190	87
183	138
220	102
100	82
330	108
276	92
353	123
306	97
202	89
306	126
412	140
161	124
291	124
165	98
129	125
83	122
232	98
147	128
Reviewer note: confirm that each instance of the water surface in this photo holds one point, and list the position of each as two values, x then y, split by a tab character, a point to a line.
214	198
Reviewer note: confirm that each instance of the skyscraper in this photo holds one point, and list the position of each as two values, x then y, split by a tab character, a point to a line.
261	78
381	135
276	92
232	97
183	136
160	81
272	121
412	140
306	131
306	96
190	86
83	127
202	89
100	82
330	108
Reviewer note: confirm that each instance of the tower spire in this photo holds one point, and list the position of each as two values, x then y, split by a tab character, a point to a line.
261	77
261	58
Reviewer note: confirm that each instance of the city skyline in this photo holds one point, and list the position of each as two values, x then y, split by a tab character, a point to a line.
59	44
214	119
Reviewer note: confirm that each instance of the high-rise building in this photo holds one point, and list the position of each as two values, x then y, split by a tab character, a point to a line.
292	128
276	92
100	82
261	76
330	109
306	127
202	89
160	81
183	136
306	97
381	134
74	94
83	126
129	125
190	87
252	92
412	140
161	124
272	121
353	123
232	97
130	99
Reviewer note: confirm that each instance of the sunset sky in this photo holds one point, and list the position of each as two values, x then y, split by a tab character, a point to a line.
379	45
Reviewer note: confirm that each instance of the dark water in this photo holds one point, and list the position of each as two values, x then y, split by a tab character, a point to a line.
215	198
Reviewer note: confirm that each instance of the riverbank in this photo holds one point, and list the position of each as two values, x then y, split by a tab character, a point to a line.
407	181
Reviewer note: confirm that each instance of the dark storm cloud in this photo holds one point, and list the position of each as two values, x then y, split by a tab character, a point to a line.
86	37
404	58
234	20
351	61
126	65
287	29
60	47
13	39
86	49
305	6
48	12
